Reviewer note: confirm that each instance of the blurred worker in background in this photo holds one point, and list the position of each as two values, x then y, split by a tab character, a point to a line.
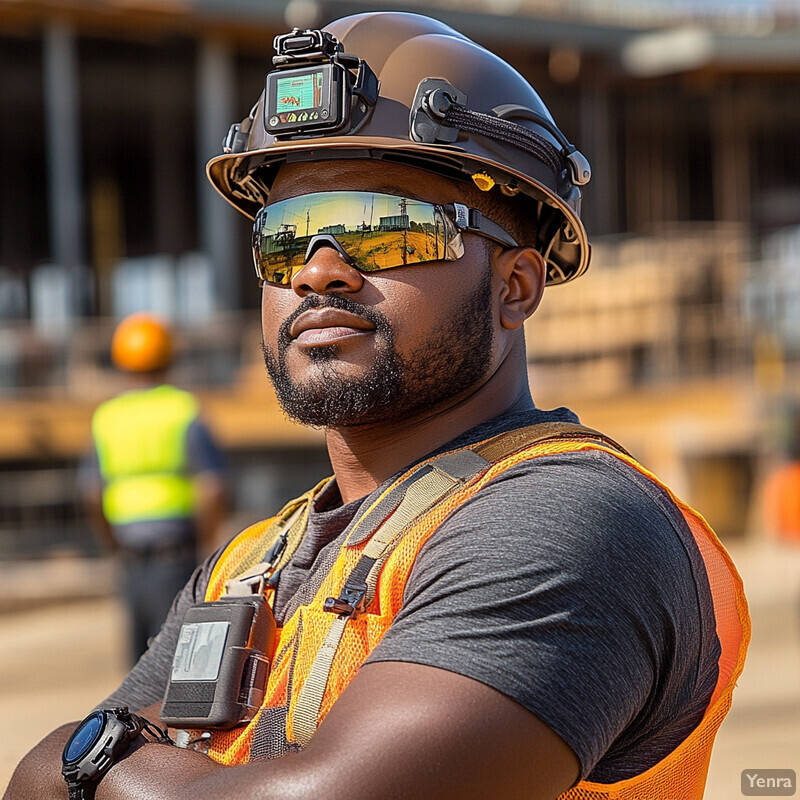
153	483
782	489
487	599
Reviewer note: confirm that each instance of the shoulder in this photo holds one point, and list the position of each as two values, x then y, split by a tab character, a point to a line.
571	583
577	507
181	398
577	542
104	413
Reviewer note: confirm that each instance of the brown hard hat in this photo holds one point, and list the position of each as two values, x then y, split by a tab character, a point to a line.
141	343
498	133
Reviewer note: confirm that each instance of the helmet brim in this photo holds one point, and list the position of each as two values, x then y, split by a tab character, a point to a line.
231	176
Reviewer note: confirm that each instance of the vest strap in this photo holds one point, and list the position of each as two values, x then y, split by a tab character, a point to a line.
426	486
254	580
306	711
284	534
415	494
504	444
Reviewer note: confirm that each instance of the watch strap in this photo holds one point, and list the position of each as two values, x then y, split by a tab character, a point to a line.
81	791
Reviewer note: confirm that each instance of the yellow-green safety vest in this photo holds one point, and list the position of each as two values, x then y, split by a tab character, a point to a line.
140	438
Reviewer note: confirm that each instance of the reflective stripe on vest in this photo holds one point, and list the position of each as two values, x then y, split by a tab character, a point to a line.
140	438
679	776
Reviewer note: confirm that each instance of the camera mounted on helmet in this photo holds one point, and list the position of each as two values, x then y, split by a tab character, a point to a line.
436	101
316	87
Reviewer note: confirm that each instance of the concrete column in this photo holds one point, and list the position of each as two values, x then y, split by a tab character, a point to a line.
598	142
730	120
62	122
173	217
215	93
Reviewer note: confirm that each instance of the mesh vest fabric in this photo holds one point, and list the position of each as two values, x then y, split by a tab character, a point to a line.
140	438
679	776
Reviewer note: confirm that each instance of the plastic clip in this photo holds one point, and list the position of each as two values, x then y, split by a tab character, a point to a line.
579	166
350	603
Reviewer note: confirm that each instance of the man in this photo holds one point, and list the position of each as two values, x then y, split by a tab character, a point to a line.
487	600
153	483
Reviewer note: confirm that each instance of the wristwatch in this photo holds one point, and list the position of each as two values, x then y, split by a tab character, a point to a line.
97	743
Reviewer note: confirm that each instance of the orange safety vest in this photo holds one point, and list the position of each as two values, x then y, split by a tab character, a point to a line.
782	502
299	659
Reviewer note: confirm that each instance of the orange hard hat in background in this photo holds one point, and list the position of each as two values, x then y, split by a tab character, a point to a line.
141	343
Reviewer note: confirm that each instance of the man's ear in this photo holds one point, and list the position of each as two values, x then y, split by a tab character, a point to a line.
523	273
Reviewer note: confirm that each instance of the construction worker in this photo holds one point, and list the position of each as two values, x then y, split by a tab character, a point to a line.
487	600
153	483
781	494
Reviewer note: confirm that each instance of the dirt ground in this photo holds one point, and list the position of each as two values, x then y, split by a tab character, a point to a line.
60	660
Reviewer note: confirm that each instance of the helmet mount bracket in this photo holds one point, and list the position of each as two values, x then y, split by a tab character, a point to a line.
431	101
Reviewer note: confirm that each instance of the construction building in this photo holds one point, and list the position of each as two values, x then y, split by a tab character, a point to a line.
680	341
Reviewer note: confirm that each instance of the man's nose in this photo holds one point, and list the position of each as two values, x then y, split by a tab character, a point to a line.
325	272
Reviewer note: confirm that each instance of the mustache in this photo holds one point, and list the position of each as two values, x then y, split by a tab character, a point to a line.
336	301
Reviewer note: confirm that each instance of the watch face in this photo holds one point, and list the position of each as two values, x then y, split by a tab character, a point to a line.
84	738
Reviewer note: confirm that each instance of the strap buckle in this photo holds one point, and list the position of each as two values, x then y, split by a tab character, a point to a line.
351	601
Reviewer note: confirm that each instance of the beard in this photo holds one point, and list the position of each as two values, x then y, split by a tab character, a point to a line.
455	357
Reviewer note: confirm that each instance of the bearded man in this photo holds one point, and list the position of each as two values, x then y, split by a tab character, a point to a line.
486	599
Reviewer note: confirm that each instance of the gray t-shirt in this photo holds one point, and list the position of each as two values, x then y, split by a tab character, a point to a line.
570	583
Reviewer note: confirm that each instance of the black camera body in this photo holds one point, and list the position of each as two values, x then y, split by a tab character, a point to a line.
316	87
221	664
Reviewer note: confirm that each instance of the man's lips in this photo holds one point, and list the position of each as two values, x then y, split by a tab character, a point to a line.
325	325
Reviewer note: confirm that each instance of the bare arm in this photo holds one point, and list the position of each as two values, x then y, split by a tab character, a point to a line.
399	731
39	773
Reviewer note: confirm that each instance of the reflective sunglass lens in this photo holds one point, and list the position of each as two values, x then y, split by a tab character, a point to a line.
376	231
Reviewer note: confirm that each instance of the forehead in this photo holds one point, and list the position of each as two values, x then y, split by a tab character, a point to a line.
364	175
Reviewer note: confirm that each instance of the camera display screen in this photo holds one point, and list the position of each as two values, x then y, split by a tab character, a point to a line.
199	652
299	93
302	99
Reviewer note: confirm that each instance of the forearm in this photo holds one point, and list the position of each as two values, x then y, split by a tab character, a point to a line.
156	772
399	731
39	773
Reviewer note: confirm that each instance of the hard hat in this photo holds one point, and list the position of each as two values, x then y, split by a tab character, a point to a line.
141	343
412	91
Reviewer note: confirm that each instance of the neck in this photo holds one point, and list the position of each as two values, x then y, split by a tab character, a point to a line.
146	380
364	456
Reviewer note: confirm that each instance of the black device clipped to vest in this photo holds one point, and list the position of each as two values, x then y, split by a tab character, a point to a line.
221	664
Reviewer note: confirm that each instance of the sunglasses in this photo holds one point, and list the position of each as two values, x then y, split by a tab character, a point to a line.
371	232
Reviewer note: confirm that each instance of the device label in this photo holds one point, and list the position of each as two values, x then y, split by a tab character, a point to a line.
199	652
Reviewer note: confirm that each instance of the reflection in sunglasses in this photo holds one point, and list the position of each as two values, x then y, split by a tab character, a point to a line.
376	231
